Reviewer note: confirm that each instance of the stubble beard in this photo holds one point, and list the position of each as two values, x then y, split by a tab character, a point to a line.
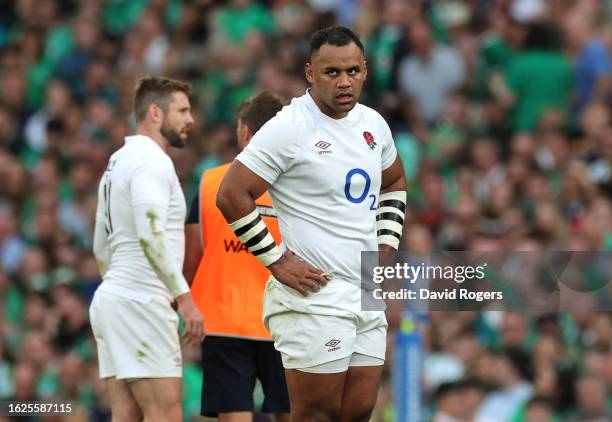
172	136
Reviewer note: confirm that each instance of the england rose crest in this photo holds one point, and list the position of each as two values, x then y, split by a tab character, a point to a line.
369	138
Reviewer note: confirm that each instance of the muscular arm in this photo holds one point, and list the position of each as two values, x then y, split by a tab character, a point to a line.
150	187
193	251
236	199
193	240
101	247
238	192
393	178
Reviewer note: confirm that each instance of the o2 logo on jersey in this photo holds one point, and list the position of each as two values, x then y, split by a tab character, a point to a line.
357	172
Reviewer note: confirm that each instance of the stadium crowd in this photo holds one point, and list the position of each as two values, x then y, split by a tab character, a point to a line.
500	109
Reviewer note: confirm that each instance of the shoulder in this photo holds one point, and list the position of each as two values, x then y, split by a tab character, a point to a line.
158	159
149	159
369	115
296	115
289	123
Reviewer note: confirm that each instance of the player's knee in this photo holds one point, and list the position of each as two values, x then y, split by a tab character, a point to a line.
164	413
175	414
358	411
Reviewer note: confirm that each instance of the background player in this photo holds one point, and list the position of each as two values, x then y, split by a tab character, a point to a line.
139	246
338	188
228	286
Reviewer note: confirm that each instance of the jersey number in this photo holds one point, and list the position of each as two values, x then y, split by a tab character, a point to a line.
368	181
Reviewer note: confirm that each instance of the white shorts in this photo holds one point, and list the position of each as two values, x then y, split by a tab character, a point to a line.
135	338
328	326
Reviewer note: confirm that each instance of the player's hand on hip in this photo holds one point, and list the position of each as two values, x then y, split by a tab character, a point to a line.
386	255
194	323
297	274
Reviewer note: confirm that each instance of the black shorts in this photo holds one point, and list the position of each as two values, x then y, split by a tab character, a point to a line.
231	366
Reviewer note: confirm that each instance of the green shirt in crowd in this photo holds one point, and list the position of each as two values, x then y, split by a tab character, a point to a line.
540	80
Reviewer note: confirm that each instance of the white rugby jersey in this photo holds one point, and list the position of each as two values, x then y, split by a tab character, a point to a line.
325	177
140	179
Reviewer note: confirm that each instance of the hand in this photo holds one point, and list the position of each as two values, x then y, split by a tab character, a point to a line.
386	255
194	323
297	274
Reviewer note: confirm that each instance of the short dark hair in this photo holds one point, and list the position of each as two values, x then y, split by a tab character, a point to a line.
447	388
334	35
543	36
156	90
257	110
519	361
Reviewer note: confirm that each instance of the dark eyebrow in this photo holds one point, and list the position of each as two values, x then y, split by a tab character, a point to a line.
329	68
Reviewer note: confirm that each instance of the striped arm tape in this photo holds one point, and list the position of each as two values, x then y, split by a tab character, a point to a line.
252	231
390	218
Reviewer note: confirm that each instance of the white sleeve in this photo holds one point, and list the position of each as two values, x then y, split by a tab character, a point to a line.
101	247
389	152
150	188
272	149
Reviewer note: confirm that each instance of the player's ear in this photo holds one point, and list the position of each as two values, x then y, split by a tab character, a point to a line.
244	134
365	69
247	136
309	72
155	113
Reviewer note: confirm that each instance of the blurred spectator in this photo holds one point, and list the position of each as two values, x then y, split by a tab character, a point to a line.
488	170
384	47
512	378
538	78
12	247
449	403
58	99
538	409
72	67
591	400
156	42
593	59
233	23
24	382
600	165
430	72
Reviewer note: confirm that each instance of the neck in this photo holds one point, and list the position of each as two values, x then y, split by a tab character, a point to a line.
325	109
143	129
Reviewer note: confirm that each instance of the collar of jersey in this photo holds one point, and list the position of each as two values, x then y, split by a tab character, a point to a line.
345	121
141	138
